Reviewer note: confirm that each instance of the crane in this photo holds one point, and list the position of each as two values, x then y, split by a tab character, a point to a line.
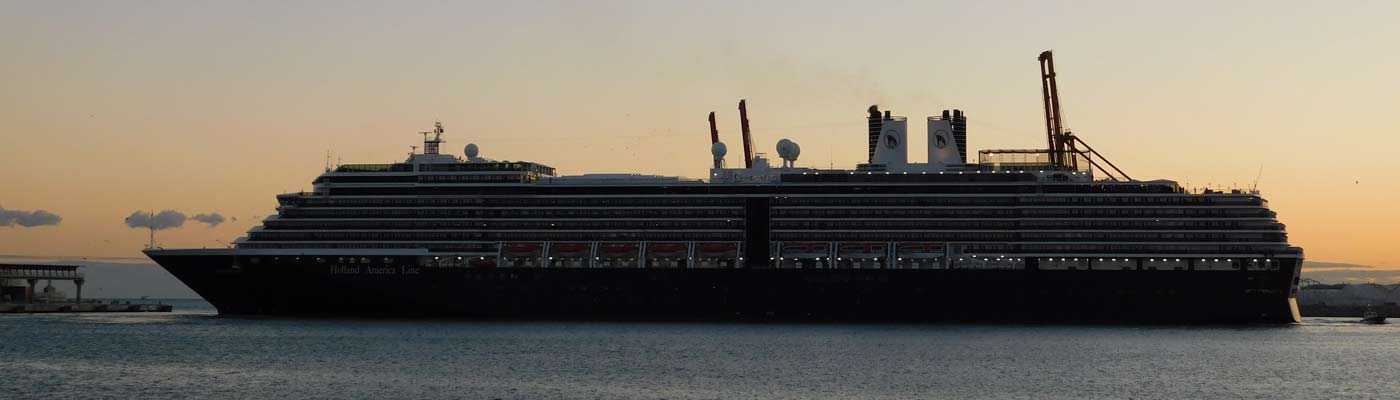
1062	145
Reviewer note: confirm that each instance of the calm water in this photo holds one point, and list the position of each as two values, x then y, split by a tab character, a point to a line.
193	354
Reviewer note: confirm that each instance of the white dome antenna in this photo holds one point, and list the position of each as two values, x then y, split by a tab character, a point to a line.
718	150
472	151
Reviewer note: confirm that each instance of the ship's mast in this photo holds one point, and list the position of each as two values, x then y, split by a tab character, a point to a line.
430	146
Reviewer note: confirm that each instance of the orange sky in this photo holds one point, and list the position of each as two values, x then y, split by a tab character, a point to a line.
111	107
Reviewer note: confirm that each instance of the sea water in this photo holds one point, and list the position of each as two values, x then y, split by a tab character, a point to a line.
194	354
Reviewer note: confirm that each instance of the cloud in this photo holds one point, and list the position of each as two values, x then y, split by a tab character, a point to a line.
213	219
28	219
163	220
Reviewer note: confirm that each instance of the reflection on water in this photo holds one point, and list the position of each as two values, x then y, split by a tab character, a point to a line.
193	354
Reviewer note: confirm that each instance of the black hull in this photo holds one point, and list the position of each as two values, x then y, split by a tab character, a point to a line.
308	289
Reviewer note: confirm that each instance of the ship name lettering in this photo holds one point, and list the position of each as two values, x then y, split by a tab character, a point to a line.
344	270
383	270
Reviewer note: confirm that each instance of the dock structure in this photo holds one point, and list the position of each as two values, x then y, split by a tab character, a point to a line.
21	299
33	273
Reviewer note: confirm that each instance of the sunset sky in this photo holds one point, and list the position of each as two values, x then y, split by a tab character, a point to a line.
111	107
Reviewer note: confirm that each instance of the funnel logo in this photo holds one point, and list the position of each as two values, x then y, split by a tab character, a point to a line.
940	139
891	141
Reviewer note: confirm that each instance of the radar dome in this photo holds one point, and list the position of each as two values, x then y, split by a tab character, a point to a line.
718	150
787	150
472	151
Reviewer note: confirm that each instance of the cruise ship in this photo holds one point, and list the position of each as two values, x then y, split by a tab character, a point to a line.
1054	234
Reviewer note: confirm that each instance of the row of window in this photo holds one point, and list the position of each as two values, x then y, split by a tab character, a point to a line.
736	235
1024	200
1002	236
515	213
730	221
563	224
736	212
534	168
1022	212
495	236
1024	224
1182	201
334	201
493	178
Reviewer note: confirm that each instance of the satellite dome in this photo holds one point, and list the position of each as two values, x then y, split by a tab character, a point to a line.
718	150
472	150
787	150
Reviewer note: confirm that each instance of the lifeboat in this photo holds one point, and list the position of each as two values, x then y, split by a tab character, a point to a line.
805	247
862	247
521	248
655	250
572	249
717	248
617	249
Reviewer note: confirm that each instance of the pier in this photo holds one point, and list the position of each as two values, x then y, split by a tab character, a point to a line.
24	299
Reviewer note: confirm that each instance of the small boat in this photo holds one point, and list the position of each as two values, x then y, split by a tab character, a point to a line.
1372	317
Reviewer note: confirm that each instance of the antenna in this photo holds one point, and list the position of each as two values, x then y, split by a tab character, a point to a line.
328	160
1255	187
151	225
431	146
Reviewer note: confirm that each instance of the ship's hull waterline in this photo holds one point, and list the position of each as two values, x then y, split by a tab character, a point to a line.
301	287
